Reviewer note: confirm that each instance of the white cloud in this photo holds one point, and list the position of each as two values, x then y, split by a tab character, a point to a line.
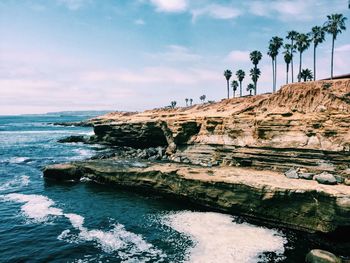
170	5
139	22
238	56
73	4
176	53
283	10
216	11
151	75
343	48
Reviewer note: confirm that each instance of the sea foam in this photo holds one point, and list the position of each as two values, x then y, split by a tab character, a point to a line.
36	207
217	238
128	245
16	182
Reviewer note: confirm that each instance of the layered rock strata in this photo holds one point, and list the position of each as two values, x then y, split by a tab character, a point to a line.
266	196
232	155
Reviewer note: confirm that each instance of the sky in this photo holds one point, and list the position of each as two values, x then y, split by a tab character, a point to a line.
58	55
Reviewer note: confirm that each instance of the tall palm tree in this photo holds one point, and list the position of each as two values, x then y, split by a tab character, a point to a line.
334	26
287	58
274	46
228	75
316	35
240	76
186	102
306	74
255	57
234	85
250	88
255	74
272	53
292	35
302	43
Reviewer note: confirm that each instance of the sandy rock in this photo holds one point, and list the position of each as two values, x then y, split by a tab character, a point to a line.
321	256
307	176
292	173
325	178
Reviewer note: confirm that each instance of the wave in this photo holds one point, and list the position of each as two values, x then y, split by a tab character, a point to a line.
126	244
42	131
218	238
16	182
19	160
36	207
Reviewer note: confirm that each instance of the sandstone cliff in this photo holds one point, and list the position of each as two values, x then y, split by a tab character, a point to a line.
303	124
232	155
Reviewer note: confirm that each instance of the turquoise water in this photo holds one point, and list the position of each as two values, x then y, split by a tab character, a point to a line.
86	222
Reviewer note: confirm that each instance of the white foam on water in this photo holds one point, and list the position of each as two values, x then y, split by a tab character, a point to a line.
16	182
36	207
85	179
83	153
128	245
118	239
87	133
218	238
18	159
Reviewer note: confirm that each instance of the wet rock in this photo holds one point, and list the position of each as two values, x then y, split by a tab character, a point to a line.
292	173
325	178
73	138
306	176
347	181
321	256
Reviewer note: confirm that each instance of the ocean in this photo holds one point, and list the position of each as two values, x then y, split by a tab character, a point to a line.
43	221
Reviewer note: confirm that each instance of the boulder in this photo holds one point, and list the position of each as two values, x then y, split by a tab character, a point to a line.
307	176
292	173
73	138
321	256
325	178
347	181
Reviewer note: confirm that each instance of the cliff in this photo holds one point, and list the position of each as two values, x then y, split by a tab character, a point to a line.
233	155
303	124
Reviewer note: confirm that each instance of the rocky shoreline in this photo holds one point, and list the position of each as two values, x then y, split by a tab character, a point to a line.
280	159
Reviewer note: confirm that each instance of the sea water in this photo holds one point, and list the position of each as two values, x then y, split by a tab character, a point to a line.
44	221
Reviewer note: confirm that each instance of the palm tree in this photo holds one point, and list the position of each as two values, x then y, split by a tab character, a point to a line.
202	98
173	104
228	75
274	46
255	57
306	74
255	74
302	43
234	85
287	58
240	76
292	35
186	102
334	26
316	35
272	53
250	88
191	101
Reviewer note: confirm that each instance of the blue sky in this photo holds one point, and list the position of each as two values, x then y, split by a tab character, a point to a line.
132	55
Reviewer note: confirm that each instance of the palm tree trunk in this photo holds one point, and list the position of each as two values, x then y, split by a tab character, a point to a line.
255	81
240	88
300	62
228	90
234	93
291	51
314	62
275	74
332	58
287	71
